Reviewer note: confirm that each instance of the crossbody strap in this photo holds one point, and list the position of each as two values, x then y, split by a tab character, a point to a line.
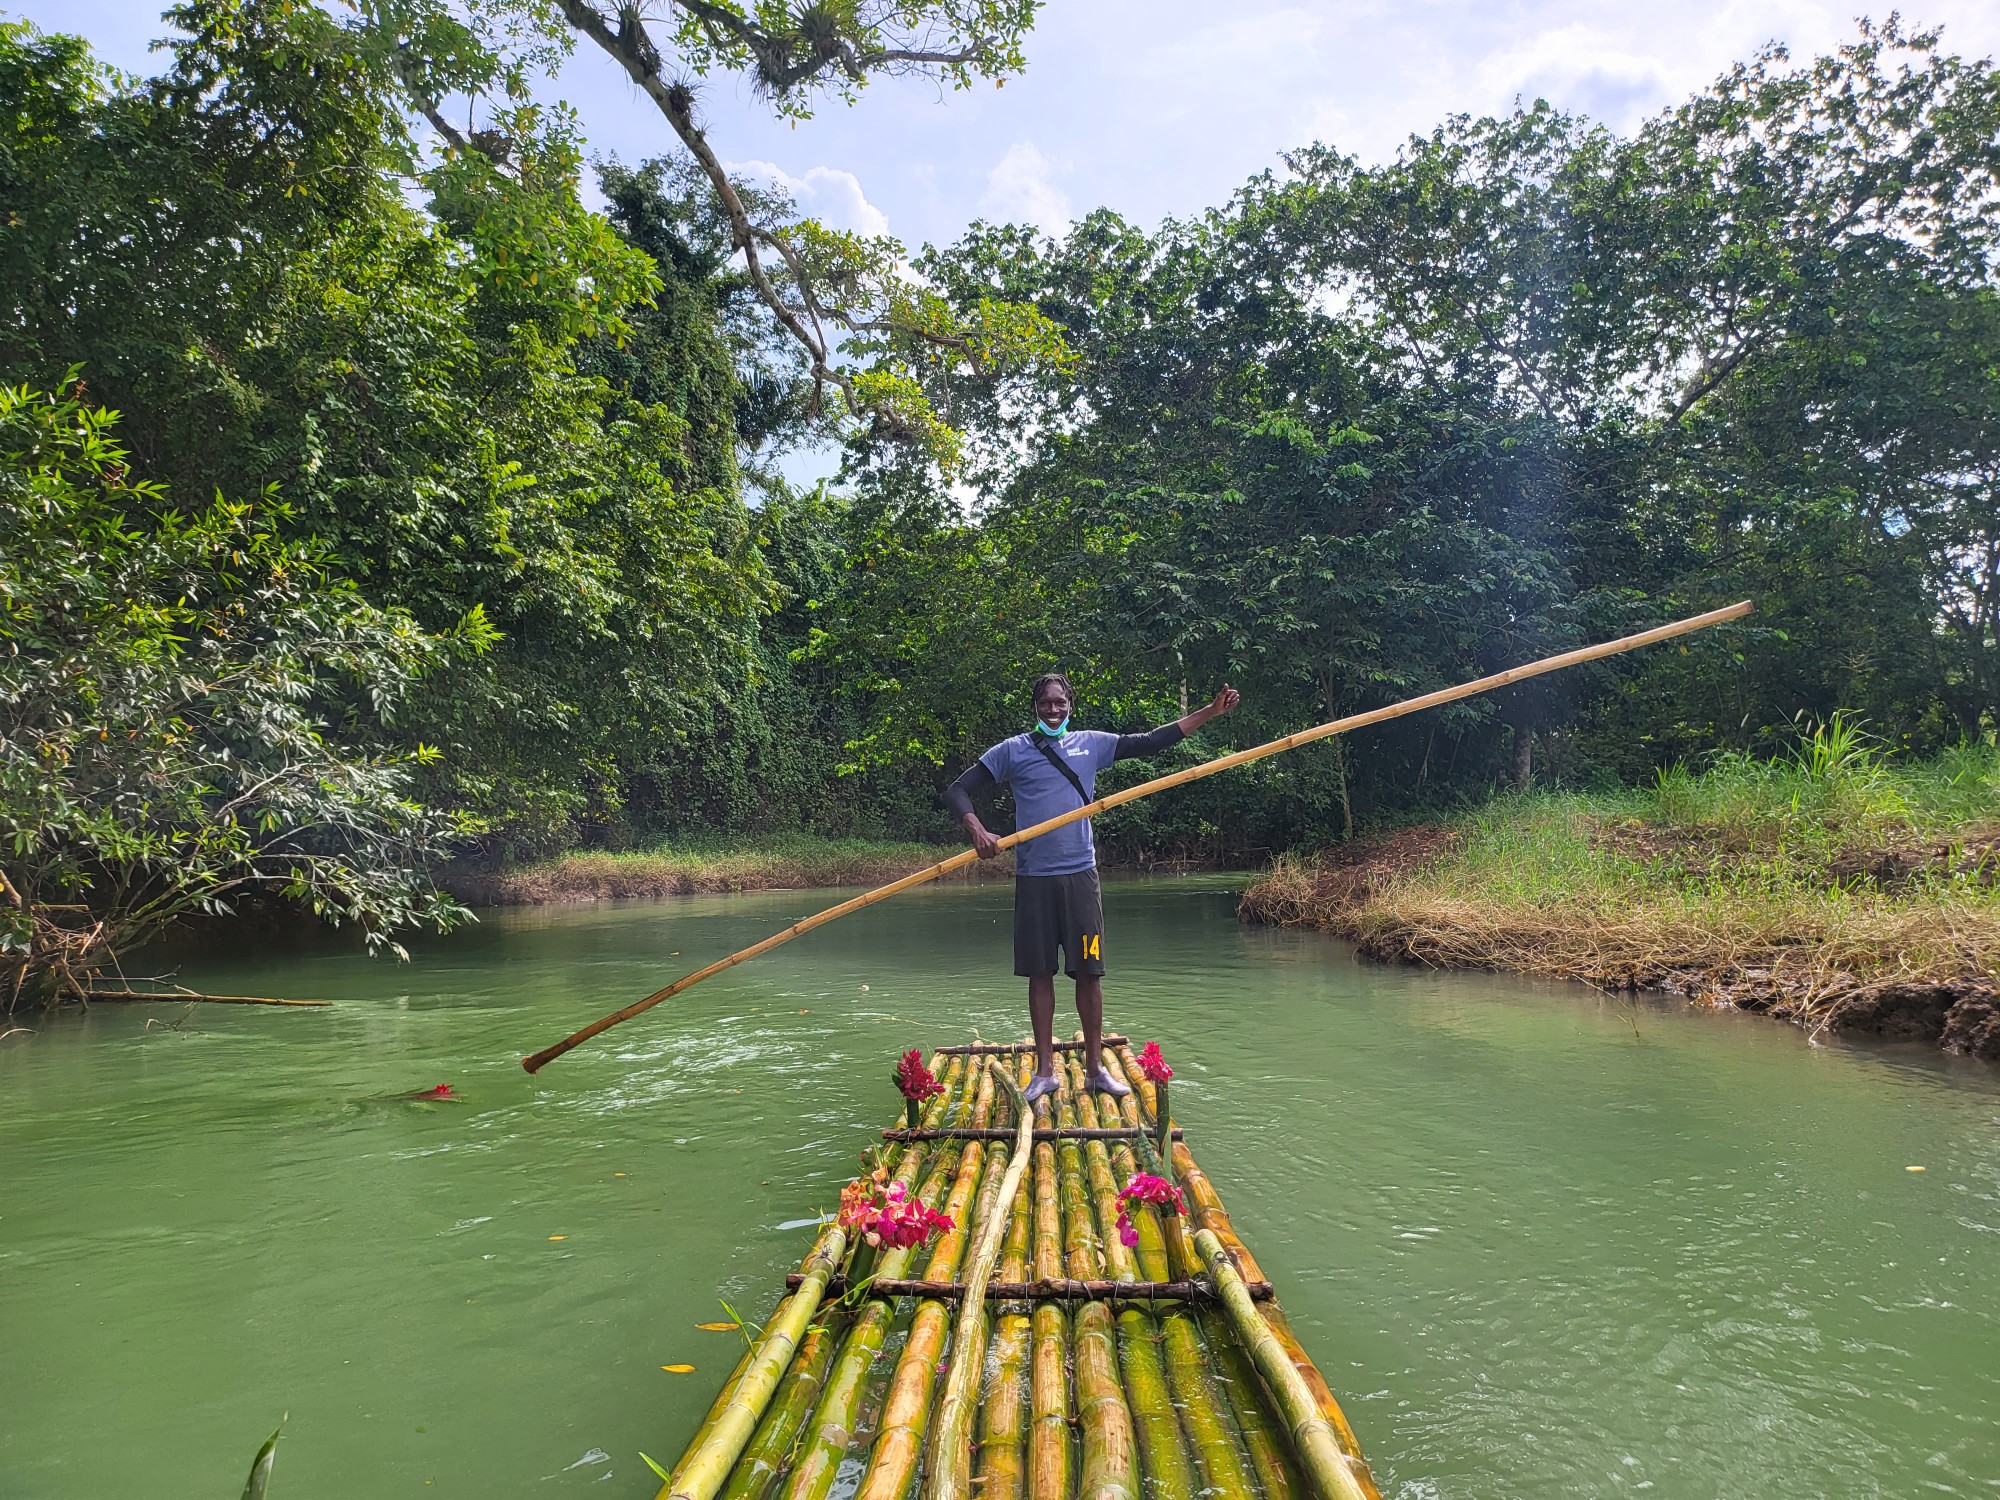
1042	744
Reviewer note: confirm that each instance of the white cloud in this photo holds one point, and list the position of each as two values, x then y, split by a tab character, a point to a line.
828	194
1021	189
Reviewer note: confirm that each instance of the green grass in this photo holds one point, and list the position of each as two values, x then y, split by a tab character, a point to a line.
1811	884
763	862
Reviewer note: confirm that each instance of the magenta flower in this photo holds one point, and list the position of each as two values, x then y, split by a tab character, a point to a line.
1146	1188
893	1218
914	1079
1153	1065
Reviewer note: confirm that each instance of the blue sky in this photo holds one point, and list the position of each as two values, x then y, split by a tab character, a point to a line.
1158	107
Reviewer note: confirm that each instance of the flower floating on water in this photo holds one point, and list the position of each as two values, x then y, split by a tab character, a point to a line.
1153	1065
914	1079
1146	1188
889	1216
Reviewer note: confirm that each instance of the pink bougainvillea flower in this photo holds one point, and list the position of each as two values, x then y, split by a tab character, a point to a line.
1146	1188
889	1216
1153	1065
914	1079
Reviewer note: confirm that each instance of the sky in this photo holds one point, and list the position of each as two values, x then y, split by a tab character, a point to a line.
1165	107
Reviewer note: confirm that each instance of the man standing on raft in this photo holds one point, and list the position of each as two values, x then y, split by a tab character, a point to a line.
1053	770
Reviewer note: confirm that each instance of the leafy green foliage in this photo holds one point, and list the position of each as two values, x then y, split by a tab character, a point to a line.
193	708
468	406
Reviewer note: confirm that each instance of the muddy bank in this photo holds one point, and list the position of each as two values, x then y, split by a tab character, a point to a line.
1893	967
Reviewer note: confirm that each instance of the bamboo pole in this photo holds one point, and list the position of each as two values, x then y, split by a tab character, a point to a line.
717	1407
703	1472
1003	1433
899	1440
830	1430
1204	1404
951	1456
1051	1471
1313	1438
1269	1455
1163	1457
764	1460
536	1062
1081	1133
1110	1469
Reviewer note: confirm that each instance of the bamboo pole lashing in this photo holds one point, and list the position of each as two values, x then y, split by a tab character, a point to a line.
1060	1289
536	1061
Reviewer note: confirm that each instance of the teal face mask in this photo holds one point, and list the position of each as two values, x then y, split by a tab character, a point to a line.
1055	734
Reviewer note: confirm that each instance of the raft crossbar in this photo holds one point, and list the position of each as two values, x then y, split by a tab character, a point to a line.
1001	1049
1057	1133
1046	1289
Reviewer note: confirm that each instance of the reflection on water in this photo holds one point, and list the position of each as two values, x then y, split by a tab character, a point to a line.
1543	1242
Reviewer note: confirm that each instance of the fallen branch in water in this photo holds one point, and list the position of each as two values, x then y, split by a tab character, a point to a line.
190	995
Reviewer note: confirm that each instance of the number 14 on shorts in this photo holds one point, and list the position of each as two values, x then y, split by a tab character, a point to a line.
1090	941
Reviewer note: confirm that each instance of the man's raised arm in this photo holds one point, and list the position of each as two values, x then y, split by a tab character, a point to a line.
1153	741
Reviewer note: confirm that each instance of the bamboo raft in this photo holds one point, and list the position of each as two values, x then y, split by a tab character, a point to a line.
1157	1372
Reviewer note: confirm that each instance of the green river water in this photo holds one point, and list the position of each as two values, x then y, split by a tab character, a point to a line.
1541	1242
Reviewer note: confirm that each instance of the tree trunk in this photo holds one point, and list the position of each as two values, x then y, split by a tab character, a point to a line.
1524	752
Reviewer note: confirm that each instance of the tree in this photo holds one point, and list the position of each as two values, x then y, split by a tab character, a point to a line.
229	253
845	302
192	712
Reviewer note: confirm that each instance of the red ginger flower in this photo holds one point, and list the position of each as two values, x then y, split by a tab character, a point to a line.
1146	1188
1153	1065
916	1080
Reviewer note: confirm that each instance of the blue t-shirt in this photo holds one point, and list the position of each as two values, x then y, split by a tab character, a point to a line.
1042	792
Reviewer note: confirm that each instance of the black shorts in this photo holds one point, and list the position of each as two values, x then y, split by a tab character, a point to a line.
1058	911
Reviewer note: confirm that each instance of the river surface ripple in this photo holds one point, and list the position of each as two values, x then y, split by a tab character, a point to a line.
1542	1242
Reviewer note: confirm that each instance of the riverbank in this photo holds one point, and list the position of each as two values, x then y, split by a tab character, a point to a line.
1833	889
770	862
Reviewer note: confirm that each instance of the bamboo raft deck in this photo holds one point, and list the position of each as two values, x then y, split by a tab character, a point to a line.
1158	1372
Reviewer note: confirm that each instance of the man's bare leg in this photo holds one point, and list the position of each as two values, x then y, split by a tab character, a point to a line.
1042	1012
1090	1011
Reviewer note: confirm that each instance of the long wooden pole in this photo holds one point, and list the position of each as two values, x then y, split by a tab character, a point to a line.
539	1060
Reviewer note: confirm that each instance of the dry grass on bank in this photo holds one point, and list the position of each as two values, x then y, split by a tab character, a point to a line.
1834	889
774	862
